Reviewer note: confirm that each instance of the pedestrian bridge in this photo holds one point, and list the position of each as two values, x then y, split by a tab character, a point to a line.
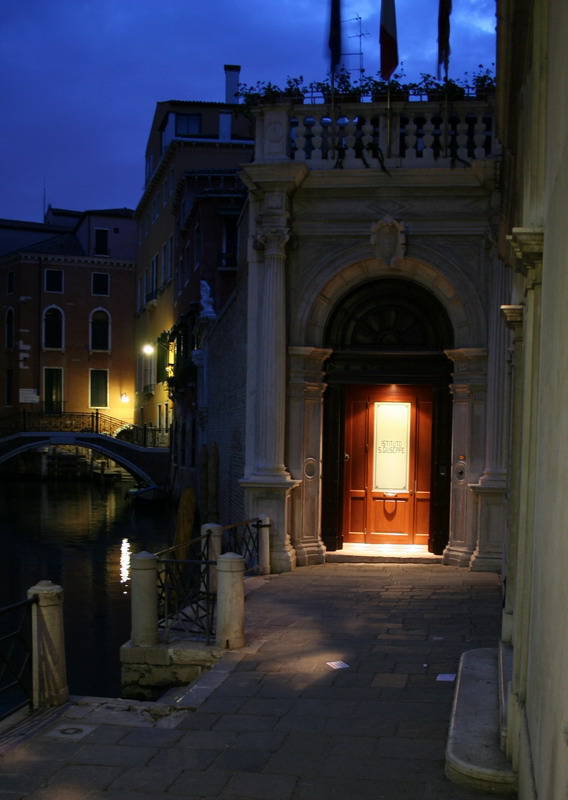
142	451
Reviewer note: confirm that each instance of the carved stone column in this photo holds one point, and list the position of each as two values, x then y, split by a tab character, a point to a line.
526	248
469	391
268	484
491	489
513	314
305	417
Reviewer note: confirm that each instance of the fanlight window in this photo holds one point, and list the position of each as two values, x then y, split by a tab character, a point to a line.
53	328
100	330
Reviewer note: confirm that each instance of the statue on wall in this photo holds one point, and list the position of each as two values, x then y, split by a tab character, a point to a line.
388	240
207	311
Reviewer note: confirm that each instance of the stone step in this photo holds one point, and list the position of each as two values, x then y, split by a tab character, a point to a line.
473	754
337	557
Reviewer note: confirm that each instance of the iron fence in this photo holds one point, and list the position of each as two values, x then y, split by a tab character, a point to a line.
84	422
187	590
243	538
16	680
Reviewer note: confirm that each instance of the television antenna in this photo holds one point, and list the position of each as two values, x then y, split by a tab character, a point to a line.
360	34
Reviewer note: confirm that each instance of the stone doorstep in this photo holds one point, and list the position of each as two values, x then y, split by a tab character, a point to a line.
505	679
336	557
473	754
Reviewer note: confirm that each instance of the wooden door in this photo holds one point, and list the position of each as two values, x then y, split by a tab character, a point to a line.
387	464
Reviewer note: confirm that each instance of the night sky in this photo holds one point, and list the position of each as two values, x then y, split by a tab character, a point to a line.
79	79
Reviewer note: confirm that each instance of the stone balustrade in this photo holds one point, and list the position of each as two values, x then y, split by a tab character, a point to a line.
358	135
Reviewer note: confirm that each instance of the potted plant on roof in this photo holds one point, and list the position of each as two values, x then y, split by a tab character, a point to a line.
295	89
261	92
483	82
344	89
378	88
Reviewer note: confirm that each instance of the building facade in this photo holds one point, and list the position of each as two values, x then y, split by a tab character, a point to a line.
184	237
373	343
533	124
68	306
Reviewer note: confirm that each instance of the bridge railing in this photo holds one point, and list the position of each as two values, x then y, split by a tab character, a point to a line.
84	422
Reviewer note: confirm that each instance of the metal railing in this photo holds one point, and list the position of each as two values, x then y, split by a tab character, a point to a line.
243	538
84	422
187	587
16	679
186	594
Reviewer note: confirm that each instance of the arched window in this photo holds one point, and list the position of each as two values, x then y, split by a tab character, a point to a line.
9	331
53	328
100	330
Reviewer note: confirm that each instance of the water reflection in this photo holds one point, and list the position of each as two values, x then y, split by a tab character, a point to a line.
81	537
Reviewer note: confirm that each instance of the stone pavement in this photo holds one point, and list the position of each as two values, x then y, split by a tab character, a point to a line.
274	721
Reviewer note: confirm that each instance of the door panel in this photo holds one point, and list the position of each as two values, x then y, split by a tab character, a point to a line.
387	474
356	469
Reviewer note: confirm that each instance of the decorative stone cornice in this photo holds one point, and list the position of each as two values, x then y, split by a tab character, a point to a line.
525	251
513	316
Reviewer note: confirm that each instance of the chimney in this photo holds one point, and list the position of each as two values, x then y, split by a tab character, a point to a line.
232	75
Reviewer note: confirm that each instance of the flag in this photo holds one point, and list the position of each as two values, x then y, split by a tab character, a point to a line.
388	40
335	34
444	12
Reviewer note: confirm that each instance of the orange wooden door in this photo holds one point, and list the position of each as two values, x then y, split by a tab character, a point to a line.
387	464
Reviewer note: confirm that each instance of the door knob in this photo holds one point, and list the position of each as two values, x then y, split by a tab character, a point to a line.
346	456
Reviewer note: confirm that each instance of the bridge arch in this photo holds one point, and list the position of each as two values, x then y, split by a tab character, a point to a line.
147	464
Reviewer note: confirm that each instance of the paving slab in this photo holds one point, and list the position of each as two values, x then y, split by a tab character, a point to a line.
337	694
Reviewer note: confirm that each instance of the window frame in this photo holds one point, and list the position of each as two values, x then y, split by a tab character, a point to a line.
107	349
50	271
100	371
100	274
96	250
45	346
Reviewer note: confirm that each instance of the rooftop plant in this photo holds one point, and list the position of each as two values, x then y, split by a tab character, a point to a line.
482	81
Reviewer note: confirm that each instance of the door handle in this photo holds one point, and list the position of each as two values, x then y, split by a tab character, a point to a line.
346	456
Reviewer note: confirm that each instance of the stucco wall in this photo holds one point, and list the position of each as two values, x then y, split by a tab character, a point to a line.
547	693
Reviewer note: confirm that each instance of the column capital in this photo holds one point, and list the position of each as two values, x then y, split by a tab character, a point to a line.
468	361
271	240
525	252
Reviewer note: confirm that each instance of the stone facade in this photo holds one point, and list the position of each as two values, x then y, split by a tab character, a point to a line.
319	235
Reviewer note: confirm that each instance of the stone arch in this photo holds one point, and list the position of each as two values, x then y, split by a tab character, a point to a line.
143	464
323	294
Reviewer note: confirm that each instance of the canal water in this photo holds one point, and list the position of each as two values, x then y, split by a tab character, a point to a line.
80	536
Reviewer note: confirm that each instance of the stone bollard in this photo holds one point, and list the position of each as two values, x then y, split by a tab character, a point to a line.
264	545
144	600
48	646
215	548
230	601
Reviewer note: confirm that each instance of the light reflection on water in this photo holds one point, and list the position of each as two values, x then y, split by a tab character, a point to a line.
81	537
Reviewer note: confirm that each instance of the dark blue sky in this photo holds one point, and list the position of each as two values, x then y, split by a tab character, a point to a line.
79	79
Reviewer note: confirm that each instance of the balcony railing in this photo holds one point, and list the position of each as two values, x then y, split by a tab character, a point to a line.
359	135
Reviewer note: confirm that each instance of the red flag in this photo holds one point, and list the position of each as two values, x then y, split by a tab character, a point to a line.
444	12
388	40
